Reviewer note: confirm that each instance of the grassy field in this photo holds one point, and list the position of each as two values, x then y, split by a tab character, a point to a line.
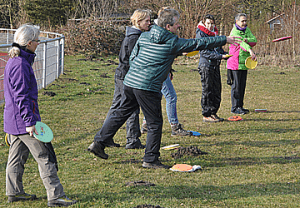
251	163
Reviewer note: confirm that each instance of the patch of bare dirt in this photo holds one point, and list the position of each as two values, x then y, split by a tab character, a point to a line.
49	93
139	183
188	151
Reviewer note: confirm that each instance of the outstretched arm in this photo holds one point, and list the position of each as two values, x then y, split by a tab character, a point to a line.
188	45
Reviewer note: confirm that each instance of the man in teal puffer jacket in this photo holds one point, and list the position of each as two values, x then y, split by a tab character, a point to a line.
150	64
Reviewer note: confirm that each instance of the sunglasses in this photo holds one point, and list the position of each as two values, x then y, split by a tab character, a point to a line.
38	41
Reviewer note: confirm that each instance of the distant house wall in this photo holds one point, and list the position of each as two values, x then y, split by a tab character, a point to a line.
276	23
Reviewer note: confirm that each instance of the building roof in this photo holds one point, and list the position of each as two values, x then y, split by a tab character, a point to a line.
274	18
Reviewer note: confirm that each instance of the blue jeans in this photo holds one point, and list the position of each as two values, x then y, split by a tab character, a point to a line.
171	98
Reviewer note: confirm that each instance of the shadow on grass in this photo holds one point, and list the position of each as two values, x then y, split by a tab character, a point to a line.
283	111
238	132
276	143
240	161
88	136
267	119
206	192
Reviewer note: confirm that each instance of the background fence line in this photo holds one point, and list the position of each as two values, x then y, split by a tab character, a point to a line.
49	60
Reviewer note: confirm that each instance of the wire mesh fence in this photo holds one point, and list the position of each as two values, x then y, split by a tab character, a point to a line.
49	60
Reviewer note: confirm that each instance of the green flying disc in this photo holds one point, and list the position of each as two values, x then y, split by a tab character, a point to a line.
45	134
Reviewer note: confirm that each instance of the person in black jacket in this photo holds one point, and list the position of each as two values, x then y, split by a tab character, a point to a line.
141	22
209	69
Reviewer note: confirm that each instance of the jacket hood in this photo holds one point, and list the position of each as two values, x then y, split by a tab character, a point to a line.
202	27
160	35
132	31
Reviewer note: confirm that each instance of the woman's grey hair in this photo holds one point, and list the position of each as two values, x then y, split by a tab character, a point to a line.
167	16
22	36
239	15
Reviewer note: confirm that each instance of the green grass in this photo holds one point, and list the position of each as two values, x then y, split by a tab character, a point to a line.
252	163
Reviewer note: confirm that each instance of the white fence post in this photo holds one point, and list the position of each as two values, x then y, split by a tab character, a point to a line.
62	55
45	65
7	37
57	44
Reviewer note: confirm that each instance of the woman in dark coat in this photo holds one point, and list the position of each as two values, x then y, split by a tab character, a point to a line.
140	22
209	69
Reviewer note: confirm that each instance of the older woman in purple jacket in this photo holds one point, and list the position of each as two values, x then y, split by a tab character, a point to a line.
20	116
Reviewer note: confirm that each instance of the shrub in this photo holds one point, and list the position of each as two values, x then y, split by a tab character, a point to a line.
94	37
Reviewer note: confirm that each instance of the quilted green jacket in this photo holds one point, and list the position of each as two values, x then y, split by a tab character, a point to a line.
154	52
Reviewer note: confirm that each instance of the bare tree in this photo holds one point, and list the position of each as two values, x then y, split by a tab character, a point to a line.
97	8
12	13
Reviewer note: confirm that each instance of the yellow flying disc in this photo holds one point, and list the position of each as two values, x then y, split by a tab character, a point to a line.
170	147
6	141
250	64
193	53
228	56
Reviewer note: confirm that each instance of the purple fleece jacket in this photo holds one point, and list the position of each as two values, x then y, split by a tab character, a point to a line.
21	94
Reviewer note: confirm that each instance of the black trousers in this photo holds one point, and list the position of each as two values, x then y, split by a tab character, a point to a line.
132	123
238	88
132	99
211	89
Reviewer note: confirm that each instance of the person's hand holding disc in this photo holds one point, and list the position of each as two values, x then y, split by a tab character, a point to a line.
31	129
252	54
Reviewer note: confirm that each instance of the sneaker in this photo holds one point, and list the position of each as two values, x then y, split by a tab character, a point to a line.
239	110
135	145
63	201
217	117
245	110
98	150
155	165
177	130
212	119
144	128
21	197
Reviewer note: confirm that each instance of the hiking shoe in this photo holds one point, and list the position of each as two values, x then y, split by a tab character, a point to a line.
98	150
245	110
63	201
155	165
144	128
177	130
239	110
217	117
21	197
135	145
113	145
